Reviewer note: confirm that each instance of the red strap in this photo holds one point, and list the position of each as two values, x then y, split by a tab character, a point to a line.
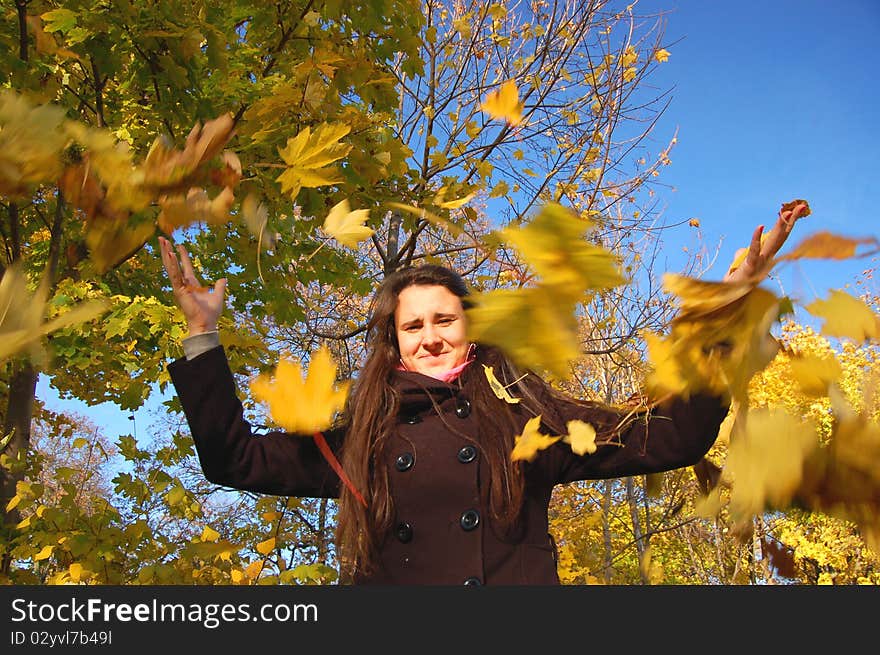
336	466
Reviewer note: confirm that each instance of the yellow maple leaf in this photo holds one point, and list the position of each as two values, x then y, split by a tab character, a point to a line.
196	206
531	441
533	327
256	216
302	406
424	214
167	170
825	245
504	103
553	244
846	316
498	389
441	201
661	55
581	437
814	373
347	226
31	143
765	462
308	157
209	534
266	547
21	315
717	342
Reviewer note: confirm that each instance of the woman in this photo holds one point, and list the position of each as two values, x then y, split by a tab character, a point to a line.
424	439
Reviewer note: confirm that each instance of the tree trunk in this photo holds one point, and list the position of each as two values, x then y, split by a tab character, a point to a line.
17	420
606	530
638	535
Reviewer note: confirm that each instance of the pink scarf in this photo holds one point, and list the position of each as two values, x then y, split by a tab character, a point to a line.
451	374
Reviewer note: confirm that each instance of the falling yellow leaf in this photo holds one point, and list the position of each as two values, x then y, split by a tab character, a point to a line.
533	327
531	441
581	437
256	216
765	462
308	157
554	245
846	316
22	312
815	373
504	103
194	207
426	215
441	201
31	143
498	389
266	547
825	245
347	226
302	406
209	534
167	171
718	341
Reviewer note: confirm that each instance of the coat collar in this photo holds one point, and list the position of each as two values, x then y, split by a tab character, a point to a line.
417	390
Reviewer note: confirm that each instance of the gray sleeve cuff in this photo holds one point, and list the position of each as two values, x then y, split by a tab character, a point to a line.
200	343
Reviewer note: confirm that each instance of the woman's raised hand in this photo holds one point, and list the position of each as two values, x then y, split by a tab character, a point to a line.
201	306
761	251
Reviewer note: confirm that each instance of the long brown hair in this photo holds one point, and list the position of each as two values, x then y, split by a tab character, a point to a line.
371	417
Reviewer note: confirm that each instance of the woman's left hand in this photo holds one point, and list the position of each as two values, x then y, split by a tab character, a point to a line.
761	251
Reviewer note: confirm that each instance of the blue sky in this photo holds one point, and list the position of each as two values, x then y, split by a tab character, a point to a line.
772	100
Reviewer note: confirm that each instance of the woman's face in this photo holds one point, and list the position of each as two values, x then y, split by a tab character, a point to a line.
430	328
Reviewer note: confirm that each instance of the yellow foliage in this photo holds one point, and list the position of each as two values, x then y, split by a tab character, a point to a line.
504	104
31	141
718	341
21	315
302	405
530	325
846	316
308	157
498	389
346	226
531	441
553	244
765	462
266	547
581	437
167	170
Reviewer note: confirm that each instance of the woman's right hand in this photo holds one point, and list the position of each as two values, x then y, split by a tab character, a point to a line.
201	306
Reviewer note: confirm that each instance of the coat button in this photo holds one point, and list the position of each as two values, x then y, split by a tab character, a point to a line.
404	532
412	420
470	520
467	454
404	462
462	407
473	581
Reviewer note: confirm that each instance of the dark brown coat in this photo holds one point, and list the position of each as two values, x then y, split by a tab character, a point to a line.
442	534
